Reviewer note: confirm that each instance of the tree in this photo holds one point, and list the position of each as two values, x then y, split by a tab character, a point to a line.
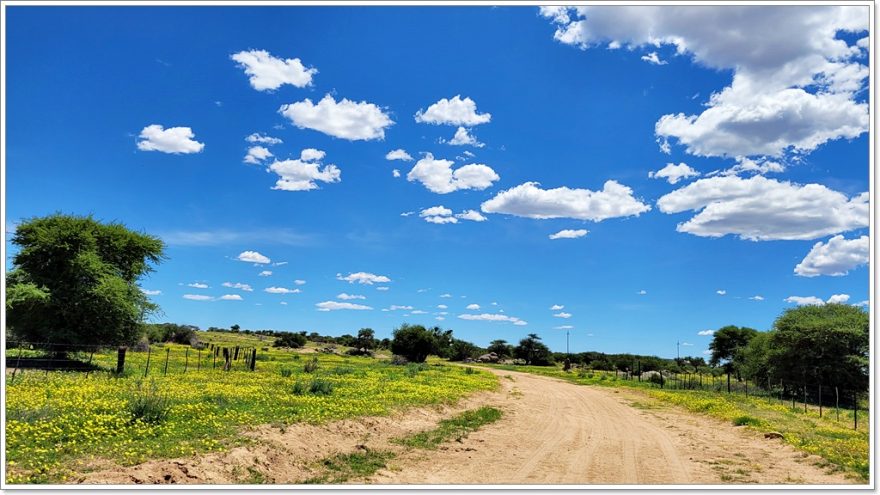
822	345
461	350
726	344
366	339
413	342
290	339
235	328
501	348
74	281
533	351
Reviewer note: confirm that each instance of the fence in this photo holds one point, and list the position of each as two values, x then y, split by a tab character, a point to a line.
819	398
156	359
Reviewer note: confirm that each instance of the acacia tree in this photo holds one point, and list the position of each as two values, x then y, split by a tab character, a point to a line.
501	348
533	351
726	347
74	281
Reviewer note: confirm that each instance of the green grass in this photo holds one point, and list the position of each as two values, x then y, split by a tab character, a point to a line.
346	467
452	429
838	443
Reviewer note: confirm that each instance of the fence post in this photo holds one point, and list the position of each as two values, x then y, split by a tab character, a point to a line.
17	361
254	359
147	368
199	361
120	360
640	370
89	365
213	366
837	404
855	412
805	397
49	364
186	362
820	400
728	382
167	352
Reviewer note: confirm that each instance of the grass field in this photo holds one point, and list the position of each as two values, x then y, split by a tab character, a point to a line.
59	423
835	441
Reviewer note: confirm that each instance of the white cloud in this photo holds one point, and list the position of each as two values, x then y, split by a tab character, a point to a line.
674	173
197	285
838	299
395	173
471	215
445	295
757	298
442	306
151	292
265	273
721	292
439	318
562	314
438	176
399	154
346	297
283	303
642	292
231	297
557	307
197	297
441	220
759	166
569	234
395	307
281	290
268	73
382	288
418	312
280	263
686	344
344	119
302	174
299	282
256	155
262	139
493	317
762	209
236	285
174	140
834	258
253	257
335	305
528	200
862	304
463	138
473	307
775	53
363	278
803	301
653	58
454	111
563	327
706	333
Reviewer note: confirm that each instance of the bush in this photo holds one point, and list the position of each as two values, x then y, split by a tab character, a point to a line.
298	388
311	366
413	342
320	386
147	405
286	372
290	339
412	369
359	352
398	360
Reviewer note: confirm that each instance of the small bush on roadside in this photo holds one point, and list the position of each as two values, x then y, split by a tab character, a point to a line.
311	366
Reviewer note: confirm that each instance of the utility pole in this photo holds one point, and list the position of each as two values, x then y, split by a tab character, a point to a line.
677	355
566	342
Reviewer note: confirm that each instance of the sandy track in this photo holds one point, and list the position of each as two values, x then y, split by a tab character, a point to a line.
555	432
551	432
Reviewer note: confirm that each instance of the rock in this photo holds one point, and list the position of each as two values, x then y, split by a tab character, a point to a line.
488	358
773	434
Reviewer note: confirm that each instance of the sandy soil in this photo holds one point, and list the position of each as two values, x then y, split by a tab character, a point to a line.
552	432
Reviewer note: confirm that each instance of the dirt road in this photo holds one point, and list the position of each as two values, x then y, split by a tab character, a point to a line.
551	432
554	432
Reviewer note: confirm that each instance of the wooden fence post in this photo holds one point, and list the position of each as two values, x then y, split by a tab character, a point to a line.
147	368
820	400
199	364
855	412
805	397
254	359
167	352
837	404
186	362
120	360
17	361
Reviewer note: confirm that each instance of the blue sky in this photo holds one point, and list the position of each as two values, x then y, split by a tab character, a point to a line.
732	160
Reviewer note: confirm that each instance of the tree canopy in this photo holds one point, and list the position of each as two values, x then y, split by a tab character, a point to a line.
74	281
726	346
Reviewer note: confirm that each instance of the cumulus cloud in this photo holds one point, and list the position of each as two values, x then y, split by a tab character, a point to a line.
794	80
757	298
382	288
463	138
151	292
762	209
336	305
445	295
557	307
563	327
304	173
237	285
197	285
231	297
253	257
653	58
838	299
262	139
197	297
706	333
473	307
281	290
363	278
395	307
834	258
175	140
399	154
493	317
569	234
642	292
562	314
471	215
813	300
721	292
395	173
346	297
442	306
265	273
269	73
674	173
529	200
438	176
256	155
345	119
453	111
299	282
745	165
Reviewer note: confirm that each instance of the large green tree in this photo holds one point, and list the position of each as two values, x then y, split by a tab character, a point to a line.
74	281
533	351
727	344
414	342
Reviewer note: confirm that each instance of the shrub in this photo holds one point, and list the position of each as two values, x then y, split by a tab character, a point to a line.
359	352
398	360
311	366
320	386
286	372
469	371
412	369
290	339
147	405
299	388
413	342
